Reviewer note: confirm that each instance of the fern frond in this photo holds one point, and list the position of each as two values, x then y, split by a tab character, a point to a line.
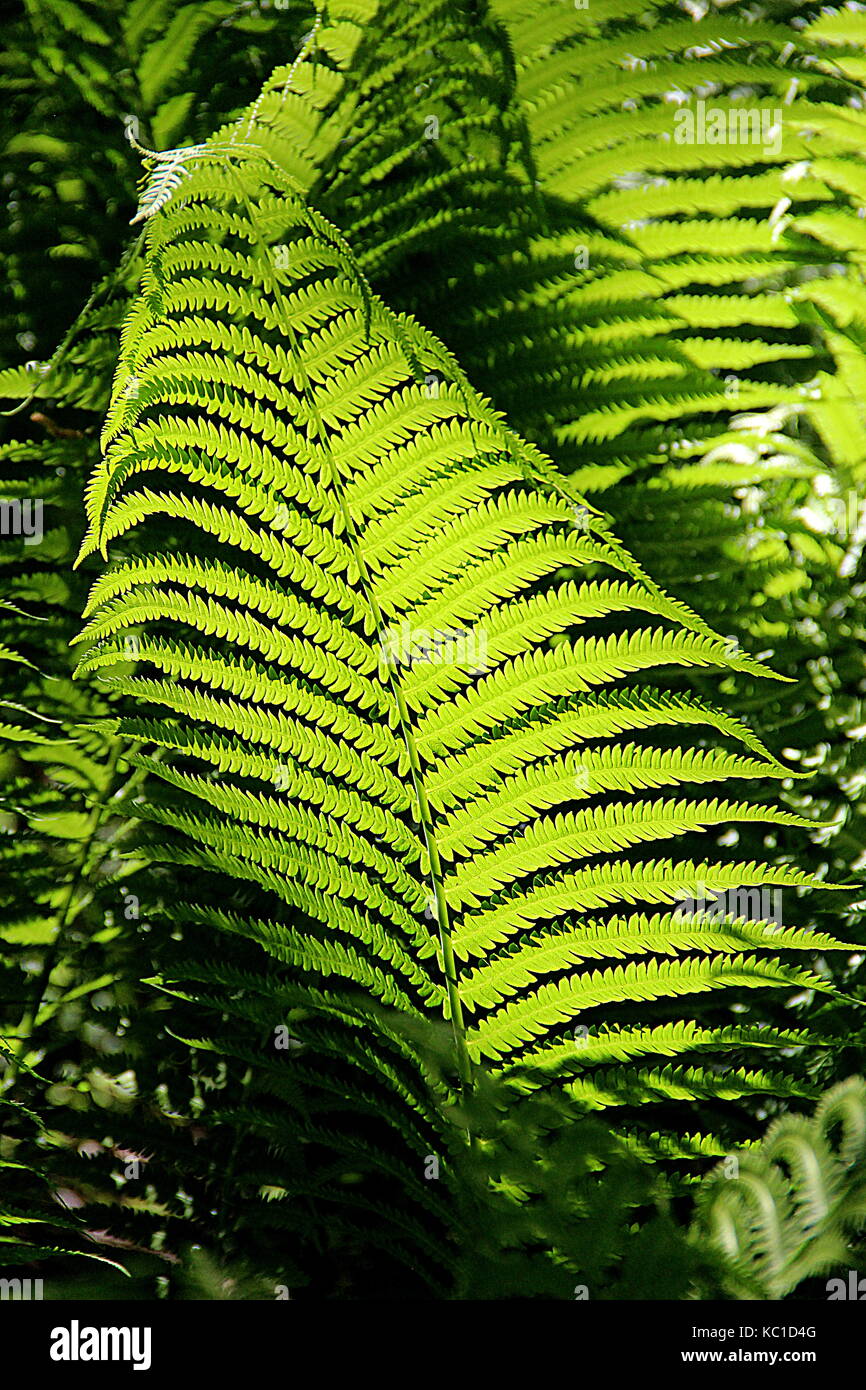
334	659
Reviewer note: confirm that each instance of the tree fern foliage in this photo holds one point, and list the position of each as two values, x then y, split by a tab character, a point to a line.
401	825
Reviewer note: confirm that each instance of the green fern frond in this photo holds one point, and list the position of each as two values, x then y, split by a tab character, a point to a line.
362	648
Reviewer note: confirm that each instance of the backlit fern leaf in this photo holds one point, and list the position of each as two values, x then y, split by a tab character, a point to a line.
288	519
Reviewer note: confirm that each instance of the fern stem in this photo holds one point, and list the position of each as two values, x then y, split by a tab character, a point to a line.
424	814
309	45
